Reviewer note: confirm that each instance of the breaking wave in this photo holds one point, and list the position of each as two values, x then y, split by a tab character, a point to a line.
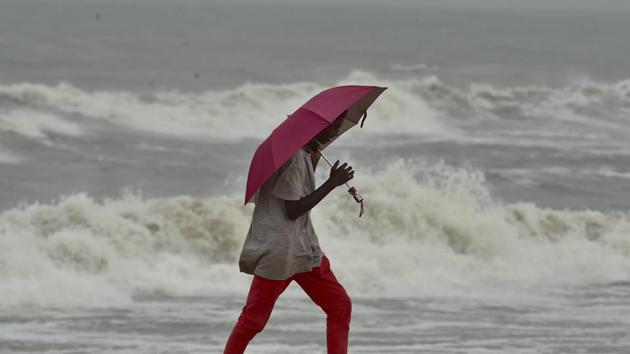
427	230
420	105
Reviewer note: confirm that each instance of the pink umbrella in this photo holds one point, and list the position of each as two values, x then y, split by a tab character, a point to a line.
304	124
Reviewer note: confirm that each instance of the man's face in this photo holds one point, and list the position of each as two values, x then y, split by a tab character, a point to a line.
330	132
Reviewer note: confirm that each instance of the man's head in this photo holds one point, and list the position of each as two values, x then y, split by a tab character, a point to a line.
330	132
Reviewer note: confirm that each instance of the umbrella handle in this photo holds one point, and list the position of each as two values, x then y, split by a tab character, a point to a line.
355	194
353	191
358	198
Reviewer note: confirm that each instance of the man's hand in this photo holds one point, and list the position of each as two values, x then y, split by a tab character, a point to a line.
340	174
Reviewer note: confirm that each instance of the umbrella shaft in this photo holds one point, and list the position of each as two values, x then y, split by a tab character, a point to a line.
329	164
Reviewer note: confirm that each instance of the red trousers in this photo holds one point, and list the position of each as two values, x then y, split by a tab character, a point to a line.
319	284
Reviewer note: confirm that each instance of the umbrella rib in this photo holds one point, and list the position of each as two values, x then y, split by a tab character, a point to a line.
315	113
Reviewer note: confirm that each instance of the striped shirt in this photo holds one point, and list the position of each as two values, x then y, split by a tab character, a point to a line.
277	247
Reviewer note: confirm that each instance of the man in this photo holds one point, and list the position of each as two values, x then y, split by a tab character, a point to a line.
281	246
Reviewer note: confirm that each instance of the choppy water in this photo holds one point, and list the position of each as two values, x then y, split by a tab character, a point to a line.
592	321
495	172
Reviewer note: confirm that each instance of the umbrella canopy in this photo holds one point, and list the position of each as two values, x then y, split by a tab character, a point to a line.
304	124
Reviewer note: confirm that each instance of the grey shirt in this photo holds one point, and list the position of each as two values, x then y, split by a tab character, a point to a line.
277	247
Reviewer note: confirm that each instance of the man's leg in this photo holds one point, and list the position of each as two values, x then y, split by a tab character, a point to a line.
323	288
262	296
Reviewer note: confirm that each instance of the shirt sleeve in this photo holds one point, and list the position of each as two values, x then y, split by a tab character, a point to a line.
290	184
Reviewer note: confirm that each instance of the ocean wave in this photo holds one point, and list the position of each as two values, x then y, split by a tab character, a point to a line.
37	125
608	171
251	110
8	158
427	230
421	105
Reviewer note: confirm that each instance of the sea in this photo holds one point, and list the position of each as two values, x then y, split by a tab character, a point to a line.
495	170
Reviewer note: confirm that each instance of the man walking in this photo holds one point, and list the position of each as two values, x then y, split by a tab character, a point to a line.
281	246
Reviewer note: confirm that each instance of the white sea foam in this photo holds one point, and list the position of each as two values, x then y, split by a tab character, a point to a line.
35	124
419	106
427	230
8	158
610	172
250	110
414	68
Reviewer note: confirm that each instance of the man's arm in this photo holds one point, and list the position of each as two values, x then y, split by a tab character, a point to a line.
295	208
338	176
